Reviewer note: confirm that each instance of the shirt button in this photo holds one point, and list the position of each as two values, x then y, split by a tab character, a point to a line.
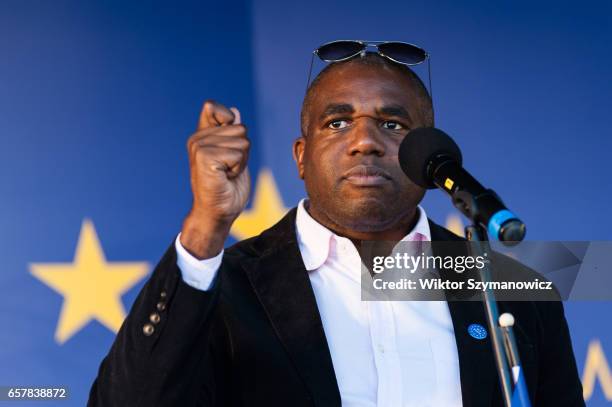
381	349
155	318
148	329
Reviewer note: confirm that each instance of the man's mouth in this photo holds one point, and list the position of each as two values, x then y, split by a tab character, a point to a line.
366	175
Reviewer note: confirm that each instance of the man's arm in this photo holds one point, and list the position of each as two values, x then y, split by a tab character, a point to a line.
163	354
160	354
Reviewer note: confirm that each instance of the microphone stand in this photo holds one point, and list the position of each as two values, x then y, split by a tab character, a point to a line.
479	245
505	349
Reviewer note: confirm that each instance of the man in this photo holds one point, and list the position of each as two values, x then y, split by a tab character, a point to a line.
276	320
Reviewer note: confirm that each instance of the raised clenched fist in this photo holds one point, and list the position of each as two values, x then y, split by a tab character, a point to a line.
220	182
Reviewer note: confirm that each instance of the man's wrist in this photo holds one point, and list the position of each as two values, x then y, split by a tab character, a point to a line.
203	240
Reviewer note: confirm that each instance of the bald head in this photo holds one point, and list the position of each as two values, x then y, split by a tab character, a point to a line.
422	103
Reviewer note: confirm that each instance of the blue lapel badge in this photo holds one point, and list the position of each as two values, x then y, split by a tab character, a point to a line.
477	331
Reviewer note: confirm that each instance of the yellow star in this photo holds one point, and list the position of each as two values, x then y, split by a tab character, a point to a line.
267	208
91	287
454	224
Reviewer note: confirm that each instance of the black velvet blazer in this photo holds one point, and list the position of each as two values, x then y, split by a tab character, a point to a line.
256	338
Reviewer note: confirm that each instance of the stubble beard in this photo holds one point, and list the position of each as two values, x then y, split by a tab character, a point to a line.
361	215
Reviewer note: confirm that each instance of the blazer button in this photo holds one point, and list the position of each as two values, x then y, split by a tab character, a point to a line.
148	329
163	294
155	318
161	306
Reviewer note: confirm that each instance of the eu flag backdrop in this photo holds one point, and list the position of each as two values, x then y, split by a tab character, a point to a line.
97	101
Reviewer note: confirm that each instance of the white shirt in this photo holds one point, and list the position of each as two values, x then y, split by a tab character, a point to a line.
385	353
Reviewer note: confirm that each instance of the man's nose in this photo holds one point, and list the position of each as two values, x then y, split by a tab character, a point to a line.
366	138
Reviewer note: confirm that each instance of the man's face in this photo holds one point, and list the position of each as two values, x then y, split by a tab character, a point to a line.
348	160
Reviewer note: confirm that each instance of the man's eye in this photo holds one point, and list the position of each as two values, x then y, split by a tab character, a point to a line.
392	125
338	124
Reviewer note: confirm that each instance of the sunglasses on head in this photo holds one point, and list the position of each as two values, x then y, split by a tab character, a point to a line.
399	52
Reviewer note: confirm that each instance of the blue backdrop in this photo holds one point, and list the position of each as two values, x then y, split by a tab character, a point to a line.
97	101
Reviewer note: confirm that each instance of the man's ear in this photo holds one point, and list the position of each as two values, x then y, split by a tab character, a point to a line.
299	144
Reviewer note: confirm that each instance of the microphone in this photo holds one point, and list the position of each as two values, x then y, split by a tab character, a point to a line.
430	158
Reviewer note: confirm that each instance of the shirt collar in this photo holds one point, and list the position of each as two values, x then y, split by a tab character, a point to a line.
314	238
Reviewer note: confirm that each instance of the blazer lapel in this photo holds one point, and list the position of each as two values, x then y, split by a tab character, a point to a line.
477	369
280	281
476	364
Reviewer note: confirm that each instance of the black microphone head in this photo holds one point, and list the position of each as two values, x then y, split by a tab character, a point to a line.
420	147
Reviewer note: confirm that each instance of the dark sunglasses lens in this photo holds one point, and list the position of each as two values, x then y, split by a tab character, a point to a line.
404	53
338	50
